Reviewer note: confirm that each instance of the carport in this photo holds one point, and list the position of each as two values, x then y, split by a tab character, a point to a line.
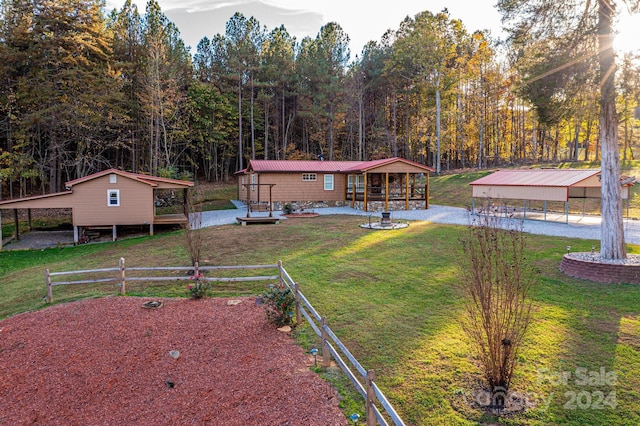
109	199
541	185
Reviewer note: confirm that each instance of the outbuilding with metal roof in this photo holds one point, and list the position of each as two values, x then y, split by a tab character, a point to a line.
543	185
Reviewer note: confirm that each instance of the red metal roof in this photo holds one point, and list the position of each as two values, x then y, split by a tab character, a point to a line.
317	166
536	177
150	180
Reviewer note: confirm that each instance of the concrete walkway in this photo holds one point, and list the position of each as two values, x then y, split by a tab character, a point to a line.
580	227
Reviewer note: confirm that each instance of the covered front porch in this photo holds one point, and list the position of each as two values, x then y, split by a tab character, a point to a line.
384	191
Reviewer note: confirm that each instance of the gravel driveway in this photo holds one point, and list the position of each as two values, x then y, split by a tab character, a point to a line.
578	226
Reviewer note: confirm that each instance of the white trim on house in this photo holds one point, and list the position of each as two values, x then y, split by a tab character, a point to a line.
113	197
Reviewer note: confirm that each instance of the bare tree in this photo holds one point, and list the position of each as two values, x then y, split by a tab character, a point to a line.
496	281
193	235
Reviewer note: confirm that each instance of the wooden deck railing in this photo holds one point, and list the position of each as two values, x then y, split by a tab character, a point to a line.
362	379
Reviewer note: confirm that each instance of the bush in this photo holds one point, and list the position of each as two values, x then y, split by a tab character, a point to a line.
198	288
497	282
279	304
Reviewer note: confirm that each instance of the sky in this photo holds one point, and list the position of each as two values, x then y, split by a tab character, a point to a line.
361	20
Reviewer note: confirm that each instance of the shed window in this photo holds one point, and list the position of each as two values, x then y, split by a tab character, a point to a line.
309	177
113	197
253	182
328	182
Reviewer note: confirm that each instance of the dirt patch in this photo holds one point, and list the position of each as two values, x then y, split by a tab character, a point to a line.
294	215
36	240
111	361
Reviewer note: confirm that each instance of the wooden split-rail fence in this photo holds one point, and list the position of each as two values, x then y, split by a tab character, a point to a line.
362	379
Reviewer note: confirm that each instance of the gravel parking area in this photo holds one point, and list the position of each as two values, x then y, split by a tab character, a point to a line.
578	226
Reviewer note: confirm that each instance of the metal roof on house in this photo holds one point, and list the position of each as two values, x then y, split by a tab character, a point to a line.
318	166
536	177
150	180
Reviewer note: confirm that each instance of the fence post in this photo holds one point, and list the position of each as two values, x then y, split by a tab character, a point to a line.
122	277
296	288
371	415
49	287
280	272
196	273
326	355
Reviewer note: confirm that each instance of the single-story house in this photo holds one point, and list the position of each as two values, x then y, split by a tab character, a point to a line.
543	185
109	198
378	185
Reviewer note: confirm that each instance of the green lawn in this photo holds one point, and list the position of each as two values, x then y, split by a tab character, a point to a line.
389	295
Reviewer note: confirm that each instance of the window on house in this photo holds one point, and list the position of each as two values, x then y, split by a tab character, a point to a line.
113	197
309	177
359	183
112	178
328	182
253	182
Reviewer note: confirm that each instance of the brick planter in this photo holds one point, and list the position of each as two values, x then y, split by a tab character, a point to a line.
578	265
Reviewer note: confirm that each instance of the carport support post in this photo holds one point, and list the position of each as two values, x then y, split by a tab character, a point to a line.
566	211
524	210
16	223
545	210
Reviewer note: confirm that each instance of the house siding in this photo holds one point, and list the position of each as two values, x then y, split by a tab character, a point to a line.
289	187
91	209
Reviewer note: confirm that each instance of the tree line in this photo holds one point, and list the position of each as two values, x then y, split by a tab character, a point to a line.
83	90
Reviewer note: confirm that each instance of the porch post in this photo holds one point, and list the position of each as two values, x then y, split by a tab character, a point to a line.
354	184
248	199
270	212
386	191
151	228
185	202
426	192
406	195
76	235
366	207
29	227
114	232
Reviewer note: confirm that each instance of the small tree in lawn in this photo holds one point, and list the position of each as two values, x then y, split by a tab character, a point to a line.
193	234
496	281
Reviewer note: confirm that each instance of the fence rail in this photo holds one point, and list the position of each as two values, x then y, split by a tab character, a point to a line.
363	380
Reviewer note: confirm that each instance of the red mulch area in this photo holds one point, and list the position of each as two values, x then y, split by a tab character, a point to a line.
107	361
